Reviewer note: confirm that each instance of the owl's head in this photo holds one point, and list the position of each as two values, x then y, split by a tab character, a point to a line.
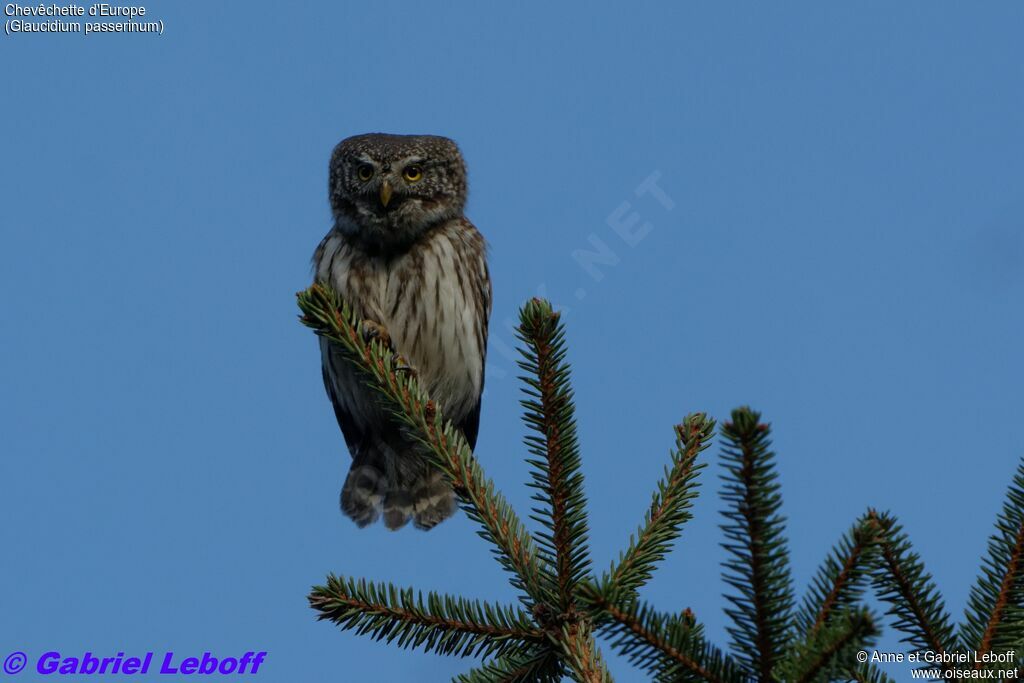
389	189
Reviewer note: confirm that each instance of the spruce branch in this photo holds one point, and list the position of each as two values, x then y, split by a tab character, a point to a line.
581	654
841	579
829	650
435	623
330	317
994	620
672	647
759	568
566	606
901	580
549	412
669	509
532	665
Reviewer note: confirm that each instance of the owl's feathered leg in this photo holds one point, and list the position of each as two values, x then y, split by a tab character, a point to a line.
428	499
415	490
392	478
364	487
433	501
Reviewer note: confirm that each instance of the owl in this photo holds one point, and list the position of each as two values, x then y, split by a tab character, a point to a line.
411	265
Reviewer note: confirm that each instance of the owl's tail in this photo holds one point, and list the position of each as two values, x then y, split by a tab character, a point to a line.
411	489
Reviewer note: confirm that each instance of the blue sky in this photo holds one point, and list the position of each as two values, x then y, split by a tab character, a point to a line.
844	251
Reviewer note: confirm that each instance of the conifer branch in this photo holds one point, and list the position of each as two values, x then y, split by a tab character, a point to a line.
330	317
533	665
829	649
669	510
901	580
671	647
841	579
759	568
549	412
995	612
437	623
581	655
565	606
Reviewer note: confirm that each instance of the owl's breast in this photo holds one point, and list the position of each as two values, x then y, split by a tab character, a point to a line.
364	282
429	300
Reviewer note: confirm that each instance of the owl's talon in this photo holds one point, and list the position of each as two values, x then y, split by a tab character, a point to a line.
374	330
402	365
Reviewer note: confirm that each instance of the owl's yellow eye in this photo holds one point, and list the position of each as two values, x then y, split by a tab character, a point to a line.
365	172
412	173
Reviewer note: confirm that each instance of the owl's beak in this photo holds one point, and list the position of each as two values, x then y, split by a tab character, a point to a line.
385	193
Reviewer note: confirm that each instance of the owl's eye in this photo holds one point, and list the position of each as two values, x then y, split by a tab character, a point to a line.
365	172
412	173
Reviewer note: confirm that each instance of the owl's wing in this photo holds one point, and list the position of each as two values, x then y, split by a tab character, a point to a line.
350	427
470	424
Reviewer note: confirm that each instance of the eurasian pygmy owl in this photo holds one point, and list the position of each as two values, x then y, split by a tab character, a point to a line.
404	256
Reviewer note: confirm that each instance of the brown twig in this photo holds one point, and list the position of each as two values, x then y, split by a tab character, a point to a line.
681	471
552	403
1003	599
849	565
892	563
638	629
